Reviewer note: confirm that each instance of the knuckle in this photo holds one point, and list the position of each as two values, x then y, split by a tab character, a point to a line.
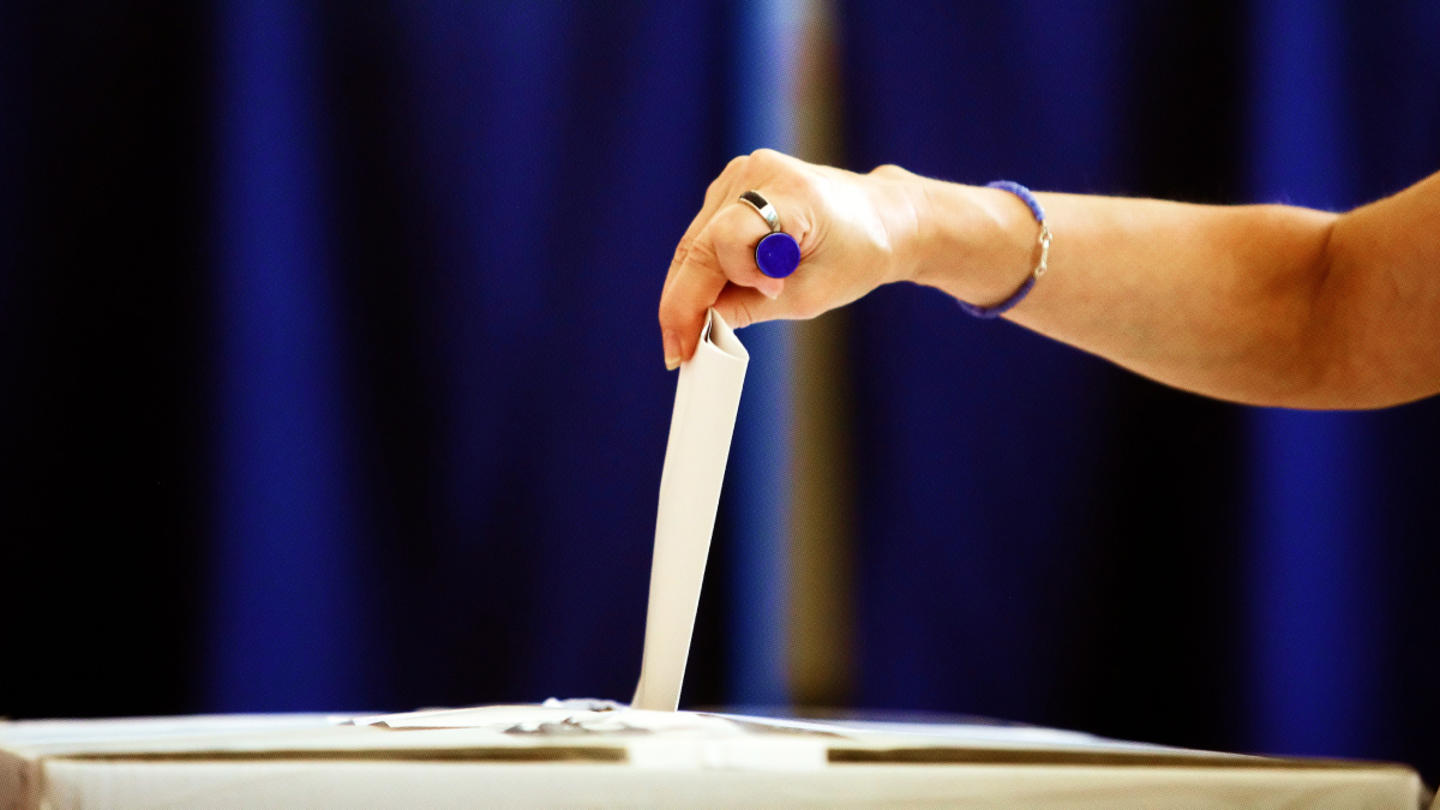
682	249
700	252
716	188
804	184
743	317
734	169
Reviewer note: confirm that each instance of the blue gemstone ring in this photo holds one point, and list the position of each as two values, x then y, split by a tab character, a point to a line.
778	254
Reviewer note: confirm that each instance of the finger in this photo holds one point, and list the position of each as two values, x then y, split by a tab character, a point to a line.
732	235
682	248
723	252
695	286
716	194
743	306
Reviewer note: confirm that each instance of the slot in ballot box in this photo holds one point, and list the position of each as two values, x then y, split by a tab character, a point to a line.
524	756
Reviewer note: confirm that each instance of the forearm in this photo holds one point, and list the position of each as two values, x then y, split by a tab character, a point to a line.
1217	300
1264	304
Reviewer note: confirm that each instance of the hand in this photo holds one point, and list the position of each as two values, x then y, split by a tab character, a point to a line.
853	229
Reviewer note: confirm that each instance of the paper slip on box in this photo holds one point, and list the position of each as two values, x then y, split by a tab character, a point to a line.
538	756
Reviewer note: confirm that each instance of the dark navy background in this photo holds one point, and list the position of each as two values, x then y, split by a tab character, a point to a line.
330	379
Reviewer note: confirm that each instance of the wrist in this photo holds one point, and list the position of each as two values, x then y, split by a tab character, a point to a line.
974	241
898	198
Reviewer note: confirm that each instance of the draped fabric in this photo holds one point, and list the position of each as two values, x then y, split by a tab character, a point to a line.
333	377
470	413
330	377
1047	538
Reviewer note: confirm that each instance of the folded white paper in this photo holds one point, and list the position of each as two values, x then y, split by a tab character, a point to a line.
707	398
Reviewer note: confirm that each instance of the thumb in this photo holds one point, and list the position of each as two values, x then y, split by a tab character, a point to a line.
744	306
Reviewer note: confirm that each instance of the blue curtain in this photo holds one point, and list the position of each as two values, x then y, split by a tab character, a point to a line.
758	485
330	377
1047	538
461	216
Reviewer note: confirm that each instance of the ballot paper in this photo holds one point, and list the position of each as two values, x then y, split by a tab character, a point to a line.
707	398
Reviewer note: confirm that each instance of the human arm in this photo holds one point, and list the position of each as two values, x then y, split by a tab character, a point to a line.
1266	304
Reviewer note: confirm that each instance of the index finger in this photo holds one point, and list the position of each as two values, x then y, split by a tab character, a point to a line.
723	252
715	195
691	289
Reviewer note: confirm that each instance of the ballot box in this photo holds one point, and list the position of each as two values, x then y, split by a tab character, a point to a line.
530	756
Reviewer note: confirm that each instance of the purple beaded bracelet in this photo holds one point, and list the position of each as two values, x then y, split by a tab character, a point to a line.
1019	295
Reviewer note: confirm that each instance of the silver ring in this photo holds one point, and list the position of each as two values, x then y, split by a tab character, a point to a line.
762	207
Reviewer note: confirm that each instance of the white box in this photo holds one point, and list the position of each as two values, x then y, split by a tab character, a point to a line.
311	761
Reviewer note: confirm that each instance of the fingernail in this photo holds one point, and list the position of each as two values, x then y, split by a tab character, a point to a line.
771	288
672	350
